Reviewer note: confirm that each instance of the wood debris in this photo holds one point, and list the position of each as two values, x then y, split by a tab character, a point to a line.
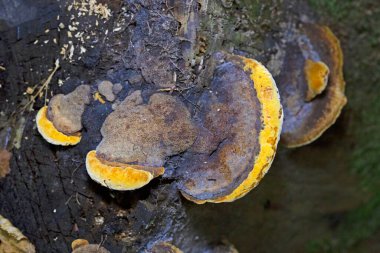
12	240
5	156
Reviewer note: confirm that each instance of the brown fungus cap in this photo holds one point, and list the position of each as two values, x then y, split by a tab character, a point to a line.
65	111
90	248
83	246
311	85
240	119
60	122
137	138
146	133
51	134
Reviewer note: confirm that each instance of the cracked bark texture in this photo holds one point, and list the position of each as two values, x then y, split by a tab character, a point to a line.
48	194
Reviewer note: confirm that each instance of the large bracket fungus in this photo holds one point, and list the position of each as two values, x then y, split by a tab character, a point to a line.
60	122
240	119
311	85
228	146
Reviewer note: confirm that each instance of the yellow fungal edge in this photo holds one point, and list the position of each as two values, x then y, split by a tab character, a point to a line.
271	118
50	133
98	97
317	74
121	178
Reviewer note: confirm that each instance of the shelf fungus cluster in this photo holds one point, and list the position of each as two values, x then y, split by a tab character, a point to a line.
311	85
225	142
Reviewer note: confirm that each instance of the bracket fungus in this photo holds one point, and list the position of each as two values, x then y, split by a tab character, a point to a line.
83	246
137	138
226	147
240	119
311	85
59	123
165	247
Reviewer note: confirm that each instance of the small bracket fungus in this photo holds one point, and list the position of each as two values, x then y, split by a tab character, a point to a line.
137	138
51	134
83	246
165	247
240	119
60	122
79	243
311	85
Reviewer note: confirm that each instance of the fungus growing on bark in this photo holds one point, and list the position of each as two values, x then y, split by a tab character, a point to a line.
165	247
137	138
240	118
60	122
83	246
311	85
119	176
226	148
78	243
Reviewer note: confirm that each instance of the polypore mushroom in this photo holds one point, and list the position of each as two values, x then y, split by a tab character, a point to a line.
311	85
83	246
137	138
165	247
240	119
60	122
226	147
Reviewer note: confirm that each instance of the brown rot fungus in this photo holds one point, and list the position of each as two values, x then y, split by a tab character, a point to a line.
239	121
311	85
83	246
60	122
137	138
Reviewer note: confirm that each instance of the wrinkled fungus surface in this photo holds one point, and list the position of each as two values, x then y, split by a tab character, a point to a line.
91	248
65	111
146	133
